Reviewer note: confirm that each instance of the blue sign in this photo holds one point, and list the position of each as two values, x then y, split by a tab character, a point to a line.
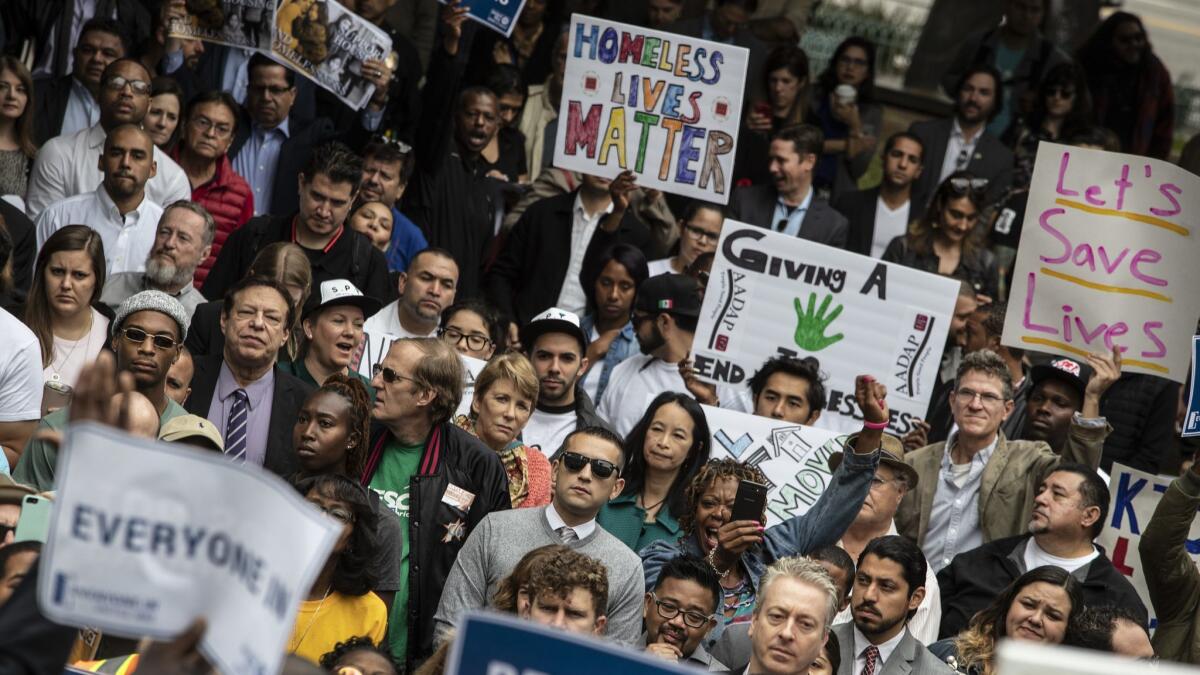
499	15
501	644
1191	421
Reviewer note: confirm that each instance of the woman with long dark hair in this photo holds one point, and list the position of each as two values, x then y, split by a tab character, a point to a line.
787	82
665	449
17	148
1062	108
844	107
948	240
610	281
1130	86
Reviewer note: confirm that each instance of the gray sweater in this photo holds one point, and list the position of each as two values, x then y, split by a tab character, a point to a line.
499	542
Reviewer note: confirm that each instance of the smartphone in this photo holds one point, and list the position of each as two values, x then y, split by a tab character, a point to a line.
750	502
55	395
34	523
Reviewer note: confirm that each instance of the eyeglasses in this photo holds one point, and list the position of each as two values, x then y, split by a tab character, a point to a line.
203	124
961	185
669	610
877	482
138	336
117	83
701	235
261	89
601	468
390	376
988	399
337	513
1061	92
455	336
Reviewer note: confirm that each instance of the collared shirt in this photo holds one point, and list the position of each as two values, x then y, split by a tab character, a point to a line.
127	238
583	226
698	659
954	517
885	650
583	530
958	151
793	215
82	109
624	519
234	74
120	286
256	162
69	165
387	322
260	394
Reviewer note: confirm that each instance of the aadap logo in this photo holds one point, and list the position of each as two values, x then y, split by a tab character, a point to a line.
730	306
911	356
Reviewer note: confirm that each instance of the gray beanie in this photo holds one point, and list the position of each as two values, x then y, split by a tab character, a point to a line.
153	301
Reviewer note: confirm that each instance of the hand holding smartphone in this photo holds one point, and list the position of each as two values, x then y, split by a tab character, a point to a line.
750	502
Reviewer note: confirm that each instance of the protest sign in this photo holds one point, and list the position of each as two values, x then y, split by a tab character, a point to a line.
471	368
248	24
1134	496
668	107
172	533
498	644
374	347
1108	257
1026	657
794	458
770	294
328	43
1191	422
499	15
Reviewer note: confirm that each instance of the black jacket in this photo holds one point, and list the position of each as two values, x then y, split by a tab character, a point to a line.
1141	409
289	395
24	241
755	204
350	257
973	580
528	275
293	155
50	98
451	457
859	209
992	160
39	20
979	269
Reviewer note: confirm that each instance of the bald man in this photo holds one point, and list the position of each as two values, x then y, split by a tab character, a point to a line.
118	209
141	418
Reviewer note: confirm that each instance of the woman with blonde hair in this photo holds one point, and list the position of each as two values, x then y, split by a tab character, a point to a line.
506	391
17	148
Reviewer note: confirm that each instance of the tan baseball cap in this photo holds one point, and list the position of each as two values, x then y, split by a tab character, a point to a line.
891	453
192	429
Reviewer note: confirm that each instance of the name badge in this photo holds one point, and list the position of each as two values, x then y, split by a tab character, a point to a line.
458	497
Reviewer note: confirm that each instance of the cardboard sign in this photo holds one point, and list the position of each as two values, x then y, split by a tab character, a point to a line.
1191	422
374	347
1134	496
668	107
471	368
770	295
499	15
328	43
500	644
1108	257
794	458
1024	657
248	24
171	533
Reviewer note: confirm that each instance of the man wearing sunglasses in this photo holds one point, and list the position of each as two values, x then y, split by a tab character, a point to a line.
587	473
67	165
147	336
680	612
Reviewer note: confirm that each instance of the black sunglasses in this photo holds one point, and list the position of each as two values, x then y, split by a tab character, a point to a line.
390	376
138	336
601	468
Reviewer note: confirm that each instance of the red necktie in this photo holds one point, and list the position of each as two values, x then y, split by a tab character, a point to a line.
872	654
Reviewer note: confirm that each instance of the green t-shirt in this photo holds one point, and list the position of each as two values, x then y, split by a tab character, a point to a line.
392	480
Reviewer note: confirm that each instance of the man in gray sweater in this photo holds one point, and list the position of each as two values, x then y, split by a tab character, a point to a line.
586	475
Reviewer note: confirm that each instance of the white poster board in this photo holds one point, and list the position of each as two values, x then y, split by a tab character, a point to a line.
666	106
1108	257
1023	657
147	536
770	295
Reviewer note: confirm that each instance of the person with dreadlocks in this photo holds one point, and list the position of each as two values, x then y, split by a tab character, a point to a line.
330	437
740	551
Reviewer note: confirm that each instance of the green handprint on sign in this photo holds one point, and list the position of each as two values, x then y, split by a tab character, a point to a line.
811	324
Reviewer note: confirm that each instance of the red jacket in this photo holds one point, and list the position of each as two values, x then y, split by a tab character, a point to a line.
229	199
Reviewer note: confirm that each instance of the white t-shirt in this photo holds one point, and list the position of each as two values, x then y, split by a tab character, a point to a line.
1035	556
21	379
591	379
387	322
547	430
889	224
70	356
632	385
660	266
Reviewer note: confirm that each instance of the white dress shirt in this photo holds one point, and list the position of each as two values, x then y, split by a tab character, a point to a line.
955	147
885	650
127	239
583	225
387	322
82	109
583	530
69	165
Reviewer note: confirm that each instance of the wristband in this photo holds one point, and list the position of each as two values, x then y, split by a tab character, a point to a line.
876	426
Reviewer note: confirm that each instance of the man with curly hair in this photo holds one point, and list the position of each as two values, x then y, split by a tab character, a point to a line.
567	590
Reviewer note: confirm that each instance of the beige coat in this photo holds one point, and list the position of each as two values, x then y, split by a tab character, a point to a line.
1010	481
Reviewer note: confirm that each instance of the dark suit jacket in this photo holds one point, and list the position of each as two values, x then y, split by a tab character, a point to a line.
285	195
39	20
50	97
755	204
289	395
529	273
859	209
992	160
910	656
24	241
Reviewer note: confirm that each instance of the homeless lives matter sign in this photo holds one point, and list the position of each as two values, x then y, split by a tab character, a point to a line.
770	295
172	533
665	106
1108	257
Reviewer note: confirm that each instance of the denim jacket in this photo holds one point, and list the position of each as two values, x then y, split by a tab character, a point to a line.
621	348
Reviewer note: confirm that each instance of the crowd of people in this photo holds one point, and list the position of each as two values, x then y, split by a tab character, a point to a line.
202	246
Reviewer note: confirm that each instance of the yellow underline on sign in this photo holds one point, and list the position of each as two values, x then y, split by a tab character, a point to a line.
1140	217
1108	288
1081	352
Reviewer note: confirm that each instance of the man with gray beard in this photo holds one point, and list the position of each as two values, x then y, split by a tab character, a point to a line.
183	239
